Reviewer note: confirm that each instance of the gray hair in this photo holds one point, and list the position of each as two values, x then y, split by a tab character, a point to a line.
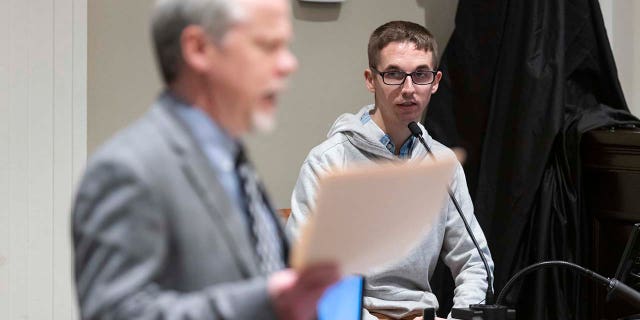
170	17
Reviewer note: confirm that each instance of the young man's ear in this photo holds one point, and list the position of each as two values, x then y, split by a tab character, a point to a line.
195	47
369	80
436	82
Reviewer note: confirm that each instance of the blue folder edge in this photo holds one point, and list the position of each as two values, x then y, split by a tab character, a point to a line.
343	300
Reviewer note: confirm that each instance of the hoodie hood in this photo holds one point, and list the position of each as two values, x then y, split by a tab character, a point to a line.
364	138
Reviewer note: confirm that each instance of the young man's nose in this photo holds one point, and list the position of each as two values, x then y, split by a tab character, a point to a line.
408	85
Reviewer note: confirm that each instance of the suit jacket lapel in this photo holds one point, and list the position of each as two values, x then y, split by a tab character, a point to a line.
205	182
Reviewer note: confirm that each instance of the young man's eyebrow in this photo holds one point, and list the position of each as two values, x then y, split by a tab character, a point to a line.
393	67
424	66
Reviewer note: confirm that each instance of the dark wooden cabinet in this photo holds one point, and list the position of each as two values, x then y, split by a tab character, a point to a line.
611	186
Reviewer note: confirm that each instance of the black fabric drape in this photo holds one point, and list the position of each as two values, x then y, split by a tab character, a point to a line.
522	81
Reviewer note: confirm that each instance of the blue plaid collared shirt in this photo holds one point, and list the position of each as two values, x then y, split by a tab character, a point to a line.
385	139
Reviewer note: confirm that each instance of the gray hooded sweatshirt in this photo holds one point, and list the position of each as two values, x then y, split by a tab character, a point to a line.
403	287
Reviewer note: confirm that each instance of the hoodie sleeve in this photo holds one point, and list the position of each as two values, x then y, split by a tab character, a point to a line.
458	251
303	197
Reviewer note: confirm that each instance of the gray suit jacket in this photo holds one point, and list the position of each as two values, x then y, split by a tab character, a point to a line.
156	236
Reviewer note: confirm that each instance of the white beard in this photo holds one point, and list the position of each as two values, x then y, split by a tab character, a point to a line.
263	121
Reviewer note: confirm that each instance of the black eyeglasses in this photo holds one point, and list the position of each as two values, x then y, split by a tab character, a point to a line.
397	78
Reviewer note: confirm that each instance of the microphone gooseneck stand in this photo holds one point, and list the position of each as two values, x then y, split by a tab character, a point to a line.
615	287
489	310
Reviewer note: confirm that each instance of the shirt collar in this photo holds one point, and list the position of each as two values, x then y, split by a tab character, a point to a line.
205	130
373	129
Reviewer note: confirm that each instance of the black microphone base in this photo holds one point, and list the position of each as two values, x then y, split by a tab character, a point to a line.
484	312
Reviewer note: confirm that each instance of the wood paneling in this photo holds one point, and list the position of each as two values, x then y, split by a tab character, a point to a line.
42	150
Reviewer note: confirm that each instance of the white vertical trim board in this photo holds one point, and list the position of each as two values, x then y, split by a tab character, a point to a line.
79	148
623	31
625	49
19	65
70	103
4	161
633	96
42	150
39	174
607	15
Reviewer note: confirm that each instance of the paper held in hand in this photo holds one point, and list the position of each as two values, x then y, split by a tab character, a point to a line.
367	217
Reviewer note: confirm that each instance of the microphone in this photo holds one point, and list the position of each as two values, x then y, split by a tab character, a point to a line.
489	296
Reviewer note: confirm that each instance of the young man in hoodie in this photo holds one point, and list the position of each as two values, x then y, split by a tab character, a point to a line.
402	75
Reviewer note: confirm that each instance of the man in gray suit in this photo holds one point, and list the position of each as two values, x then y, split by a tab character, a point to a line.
170	221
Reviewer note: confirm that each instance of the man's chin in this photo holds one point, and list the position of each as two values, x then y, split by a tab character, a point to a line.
263	122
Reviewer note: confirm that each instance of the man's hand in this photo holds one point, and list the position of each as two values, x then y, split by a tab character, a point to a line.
296	294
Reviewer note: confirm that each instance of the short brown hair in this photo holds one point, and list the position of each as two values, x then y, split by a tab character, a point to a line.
401	31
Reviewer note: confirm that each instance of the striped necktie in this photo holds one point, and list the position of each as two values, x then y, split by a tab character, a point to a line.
261	219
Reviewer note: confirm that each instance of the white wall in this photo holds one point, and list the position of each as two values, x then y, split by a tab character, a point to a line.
330	42
122	81
42	149
623	29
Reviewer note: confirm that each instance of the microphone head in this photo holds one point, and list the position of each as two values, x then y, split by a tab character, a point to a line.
415	129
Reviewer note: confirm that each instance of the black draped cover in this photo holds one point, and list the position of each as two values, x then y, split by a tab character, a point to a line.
523	79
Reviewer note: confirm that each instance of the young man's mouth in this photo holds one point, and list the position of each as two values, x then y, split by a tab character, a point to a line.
407	104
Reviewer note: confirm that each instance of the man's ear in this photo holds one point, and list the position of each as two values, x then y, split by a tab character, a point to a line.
369	80
195	47
436	82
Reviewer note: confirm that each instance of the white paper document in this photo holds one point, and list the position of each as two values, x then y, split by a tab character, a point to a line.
370	216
